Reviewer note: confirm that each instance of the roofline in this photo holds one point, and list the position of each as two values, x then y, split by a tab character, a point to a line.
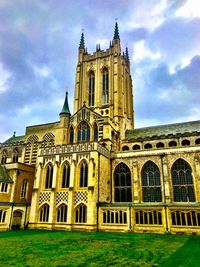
163	125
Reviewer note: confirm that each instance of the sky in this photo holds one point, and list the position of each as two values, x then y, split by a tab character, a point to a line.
38	55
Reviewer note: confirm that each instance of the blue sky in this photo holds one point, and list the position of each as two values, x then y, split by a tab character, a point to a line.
38	54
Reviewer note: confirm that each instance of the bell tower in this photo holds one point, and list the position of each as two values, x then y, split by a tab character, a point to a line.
103	82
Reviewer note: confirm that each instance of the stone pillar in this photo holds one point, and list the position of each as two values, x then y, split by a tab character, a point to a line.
70	213
136	187
52	210
165	183
196	178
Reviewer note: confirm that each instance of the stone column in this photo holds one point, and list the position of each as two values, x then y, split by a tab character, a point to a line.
136	187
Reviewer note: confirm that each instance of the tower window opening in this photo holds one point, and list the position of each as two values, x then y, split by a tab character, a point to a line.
105	88
91	88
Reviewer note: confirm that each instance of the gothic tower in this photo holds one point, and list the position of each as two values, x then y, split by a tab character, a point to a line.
103	83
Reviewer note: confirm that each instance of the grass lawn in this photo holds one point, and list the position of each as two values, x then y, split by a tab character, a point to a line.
60	248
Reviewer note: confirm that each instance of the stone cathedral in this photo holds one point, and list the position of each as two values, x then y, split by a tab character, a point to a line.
93	170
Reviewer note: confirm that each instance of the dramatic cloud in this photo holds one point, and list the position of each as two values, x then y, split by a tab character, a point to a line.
38	56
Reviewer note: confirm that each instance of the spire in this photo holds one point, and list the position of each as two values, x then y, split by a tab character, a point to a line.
127	55
116	32
65	109
82	42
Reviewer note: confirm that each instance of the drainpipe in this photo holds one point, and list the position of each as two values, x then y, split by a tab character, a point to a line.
25	216
111	194
11	215
164	191
98	192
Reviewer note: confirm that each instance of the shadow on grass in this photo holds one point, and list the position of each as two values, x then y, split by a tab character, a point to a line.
186	256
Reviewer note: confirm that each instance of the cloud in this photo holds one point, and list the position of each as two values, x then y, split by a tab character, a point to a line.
38	56
170	97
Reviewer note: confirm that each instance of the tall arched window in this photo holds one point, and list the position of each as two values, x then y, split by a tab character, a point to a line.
44	213
62	213
24	188
151	186
15	155
84	174
2	216
81	214
49	176
66	176
95	132
122	183
105	88
4	157
182	180
91	88
71	135
83	132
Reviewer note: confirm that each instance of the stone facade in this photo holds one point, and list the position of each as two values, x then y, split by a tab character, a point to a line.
93	171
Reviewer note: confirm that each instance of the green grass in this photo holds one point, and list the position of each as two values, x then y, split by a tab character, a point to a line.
60	248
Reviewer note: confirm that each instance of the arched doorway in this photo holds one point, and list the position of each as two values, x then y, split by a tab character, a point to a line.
17	219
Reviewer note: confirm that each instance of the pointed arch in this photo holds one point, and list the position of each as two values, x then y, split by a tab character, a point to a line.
83	132
91	78
62	213
122	183
49	176
95	129
24	188
44	213
4	157
71	135
83	174
15	155
81	214
105	86
66	175
151	185
182	180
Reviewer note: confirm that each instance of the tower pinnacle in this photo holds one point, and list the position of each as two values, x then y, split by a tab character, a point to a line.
116	31
82	42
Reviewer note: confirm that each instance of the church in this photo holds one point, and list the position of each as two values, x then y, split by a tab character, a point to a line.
92	170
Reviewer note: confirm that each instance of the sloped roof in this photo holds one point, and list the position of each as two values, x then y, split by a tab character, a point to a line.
164	130
15	139
4	176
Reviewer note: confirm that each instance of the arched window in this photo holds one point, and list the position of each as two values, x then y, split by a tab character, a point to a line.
185	142
4	157
66	176
62	213
44	213
125	148
105	88
182	181
197	141
4	187
15	156
136	147
2	216
148	146
83	132
151	186
159	145
95	132
24	188
81	214
71	135
84	174
49	176
91	88
172	143
122	183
